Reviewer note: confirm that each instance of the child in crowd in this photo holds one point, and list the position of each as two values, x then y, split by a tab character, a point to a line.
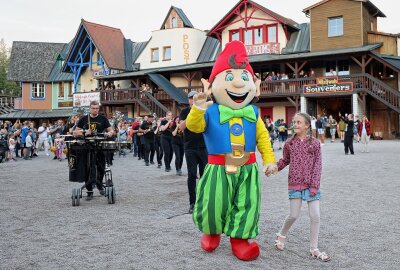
303	153
58	141
28	145
11	147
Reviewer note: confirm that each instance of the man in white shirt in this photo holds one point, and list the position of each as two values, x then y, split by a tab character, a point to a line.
43	138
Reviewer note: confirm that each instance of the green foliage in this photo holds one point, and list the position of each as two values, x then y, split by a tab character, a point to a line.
9	87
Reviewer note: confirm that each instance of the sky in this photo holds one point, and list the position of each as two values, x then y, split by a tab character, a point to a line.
57	21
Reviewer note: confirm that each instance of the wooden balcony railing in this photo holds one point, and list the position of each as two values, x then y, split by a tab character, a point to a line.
284	87
117	96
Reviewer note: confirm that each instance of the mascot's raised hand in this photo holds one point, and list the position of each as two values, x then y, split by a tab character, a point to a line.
200	100
228	194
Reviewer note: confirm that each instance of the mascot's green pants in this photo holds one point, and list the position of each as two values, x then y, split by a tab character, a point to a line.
228	203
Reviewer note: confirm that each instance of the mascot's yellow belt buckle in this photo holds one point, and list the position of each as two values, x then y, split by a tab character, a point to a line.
237	158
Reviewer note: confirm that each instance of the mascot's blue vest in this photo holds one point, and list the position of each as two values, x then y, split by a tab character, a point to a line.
217	136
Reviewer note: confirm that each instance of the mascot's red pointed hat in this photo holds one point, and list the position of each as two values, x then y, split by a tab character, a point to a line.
234	56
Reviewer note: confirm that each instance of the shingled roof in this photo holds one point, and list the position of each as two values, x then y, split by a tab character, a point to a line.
56	74
108	40
32	61
181	14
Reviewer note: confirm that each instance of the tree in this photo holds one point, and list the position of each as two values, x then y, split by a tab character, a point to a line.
9	87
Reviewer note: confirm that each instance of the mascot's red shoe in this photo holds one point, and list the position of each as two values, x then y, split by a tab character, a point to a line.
244	250
209	242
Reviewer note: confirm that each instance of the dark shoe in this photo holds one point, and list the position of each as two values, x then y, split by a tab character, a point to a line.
152	163
167	169
35	155
191	208
147	164
89	196
59	159
102	192
159	166
54	158
139	158
179	172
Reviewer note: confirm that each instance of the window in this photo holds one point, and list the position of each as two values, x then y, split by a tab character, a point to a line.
248	37
343	67
272	34
335	26
70	89
174	22
37	91
154	55
235	35
60	90
258	36
167	53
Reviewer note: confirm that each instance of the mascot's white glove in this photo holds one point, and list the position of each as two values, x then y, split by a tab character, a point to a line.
200	101
270	169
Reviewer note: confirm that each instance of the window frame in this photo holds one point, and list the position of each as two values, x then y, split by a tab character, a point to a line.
151	55
170	52
36	87
61	85
335	27
264	28
172	22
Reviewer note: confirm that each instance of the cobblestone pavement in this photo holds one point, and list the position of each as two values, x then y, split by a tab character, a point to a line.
147	228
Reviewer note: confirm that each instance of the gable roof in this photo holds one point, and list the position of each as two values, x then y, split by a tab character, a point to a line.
240	6
181	14
368	4
56	74
211	48
32	61
109	41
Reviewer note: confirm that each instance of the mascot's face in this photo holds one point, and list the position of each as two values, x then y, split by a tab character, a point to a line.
234	88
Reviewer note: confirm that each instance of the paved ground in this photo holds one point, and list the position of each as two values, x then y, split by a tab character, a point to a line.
147	227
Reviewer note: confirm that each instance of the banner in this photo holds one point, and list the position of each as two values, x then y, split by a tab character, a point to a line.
84	99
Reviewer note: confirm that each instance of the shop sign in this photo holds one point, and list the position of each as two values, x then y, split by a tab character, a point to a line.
104	72
64	104
265	48
328	85
84	99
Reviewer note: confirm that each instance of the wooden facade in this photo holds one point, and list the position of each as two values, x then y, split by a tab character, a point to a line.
389	41
353	27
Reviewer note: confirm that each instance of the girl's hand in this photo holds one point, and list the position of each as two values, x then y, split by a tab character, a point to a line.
312	194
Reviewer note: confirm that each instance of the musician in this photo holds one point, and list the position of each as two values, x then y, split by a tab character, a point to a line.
90	125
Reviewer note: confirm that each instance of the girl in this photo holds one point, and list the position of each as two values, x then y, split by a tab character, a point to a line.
11	148
364	131
303	153
58	141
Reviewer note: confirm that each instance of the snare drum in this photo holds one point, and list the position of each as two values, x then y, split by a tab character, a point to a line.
109	145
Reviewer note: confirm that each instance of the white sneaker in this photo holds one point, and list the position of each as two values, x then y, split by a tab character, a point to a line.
47	154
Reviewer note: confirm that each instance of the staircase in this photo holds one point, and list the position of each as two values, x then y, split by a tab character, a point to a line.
376	89
152	105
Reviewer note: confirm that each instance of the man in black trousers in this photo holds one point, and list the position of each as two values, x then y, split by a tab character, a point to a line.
148	137
195	152
348	136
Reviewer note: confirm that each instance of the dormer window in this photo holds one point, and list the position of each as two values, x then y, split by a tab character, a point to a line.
335	26
256	35
174	22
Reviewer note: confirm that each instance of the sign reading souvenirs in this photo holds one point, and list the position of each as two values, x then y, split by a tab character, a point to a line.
265	48
84	99
328	85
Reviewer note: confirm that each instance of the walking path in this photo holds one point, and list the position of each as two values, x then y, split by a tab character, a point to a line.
148	227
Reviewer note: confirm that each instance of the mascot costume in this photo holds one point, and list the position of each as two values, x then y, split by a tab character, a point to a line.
228	193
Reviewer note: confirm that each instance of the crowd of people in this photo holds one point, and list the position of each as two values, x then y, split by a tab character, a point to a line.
347	128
